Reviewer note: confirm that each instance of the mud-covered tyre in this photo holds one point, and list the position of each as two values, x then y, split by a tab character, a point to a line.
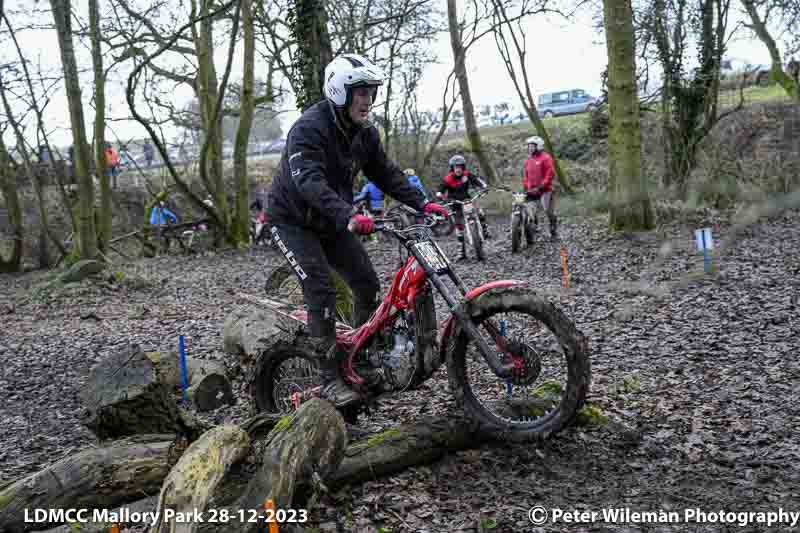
530	231
477	240
516	233
265	395
575	349
425	338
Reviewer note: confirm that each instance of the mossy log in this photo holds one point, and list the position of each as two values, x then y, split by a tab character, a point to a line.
303	450
123	396
208	384
191	482
97	478
399	448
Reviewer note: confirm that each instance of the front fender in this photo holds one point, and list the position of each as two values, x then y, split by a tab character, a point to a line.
448	326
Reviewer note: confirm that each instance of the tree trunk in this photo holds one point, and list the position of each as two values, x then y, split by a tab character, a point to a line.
96	478
627	187
459	55
85	233
191	482
241	224
309	25
8	188
207	382
104	229
123	396
789	83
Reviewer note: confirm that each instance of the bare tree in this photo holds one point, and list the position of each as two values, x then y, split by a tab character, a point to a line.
459	59
761	13
87	236
516	33
101	166
690	100
241	219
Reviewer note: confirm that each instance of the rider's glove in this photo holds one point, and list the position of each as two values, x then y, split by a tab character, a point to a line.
439	195
433	208
361	224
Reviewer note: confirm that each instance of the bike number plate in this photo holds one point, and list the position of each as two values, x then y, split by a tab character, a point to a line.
431	256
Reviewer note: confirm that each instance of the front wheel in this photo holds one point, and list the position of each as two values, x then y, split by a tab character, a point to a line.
477	240
552	358
516	233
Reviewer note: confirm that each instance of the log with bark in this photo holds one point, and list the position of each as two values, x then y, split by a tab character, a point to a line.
97	478
207	381
123	396
192	481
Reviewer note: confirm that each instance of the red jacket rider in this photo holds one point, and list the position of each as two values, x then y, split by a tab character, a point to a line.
539	172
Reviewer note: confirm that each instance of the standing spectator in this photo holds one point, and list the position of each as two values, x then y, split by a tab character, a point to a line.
539	173
148	153
112	164
414	180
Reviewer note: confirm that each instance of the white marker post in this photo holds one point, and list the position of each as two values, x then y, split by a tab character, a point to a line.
704	244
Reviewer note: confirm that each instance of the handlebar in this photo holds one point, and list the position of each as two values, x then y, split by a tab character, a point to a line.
462	202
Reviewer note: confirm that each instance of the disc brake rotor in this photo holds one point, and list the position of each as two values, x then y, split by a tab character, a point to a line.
527	363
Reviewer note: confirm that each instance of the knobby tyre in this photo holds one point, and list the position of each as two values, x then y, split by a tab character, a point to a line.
574	351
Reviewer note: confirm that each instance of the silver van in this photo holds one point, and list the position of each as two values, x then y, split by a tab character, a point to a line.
566	103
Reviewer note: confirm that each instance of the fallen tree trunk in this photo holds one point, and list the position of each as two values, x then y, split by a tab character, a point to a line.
207	381
303	450
97	478
399	448
123	396
192	481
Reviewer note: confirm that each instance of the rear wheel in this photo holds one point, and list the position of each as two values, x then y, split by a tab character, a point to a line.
553	374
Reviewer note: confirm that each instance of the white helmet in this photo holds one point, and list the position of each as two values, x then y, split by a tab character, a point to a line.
348	71
536	140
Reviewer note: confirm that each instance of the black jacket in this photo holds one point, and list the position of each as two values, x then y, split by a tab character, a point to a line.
314	184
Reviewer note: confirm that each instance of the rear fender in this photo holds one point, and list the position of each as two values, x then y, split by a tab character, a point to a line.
448	327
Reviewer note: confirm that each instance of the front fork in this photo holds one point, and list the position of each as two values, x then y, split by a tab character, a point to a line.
499	367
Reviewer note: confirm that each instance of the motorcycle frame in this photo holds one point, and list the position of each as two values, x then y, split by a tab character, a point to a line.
410	280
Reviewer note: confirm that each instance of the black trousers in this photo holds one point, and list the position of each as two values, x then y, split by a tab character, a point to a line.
312	256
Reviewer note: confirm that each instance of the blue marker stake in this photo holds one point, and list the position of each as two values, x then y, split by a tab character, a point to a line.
705	243
183	368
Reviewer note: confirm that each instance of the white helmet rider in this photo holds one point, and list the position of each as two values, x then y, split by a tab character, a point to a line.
537	141
348	71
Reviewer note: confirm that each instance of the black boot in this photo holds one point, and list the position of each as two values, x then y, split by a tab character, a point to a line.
322	329
553	229
334	389
463	255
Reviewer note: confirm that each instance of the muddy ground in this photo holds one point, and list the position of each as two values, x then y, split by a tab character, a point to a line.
697	375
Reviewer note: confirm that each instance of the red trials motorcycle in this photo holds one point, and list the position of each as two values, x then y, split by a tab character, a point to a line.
515	362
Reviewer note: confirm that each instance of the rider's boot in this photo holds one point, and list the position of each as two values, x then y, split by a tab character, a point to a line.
485	227
362	311
323	337
463	255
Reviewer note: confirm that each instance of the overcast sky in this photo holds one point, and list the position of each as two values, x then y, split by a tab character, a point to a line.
562	55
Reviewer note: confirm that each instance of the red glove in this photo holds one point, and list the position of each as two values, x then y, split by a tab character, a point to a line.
432	208
361	224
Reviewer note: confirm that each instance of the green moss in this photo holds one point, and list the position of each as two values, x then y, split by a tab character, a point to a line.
631	384
119	276
379	438
549	390
591	416
284	423
5	498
